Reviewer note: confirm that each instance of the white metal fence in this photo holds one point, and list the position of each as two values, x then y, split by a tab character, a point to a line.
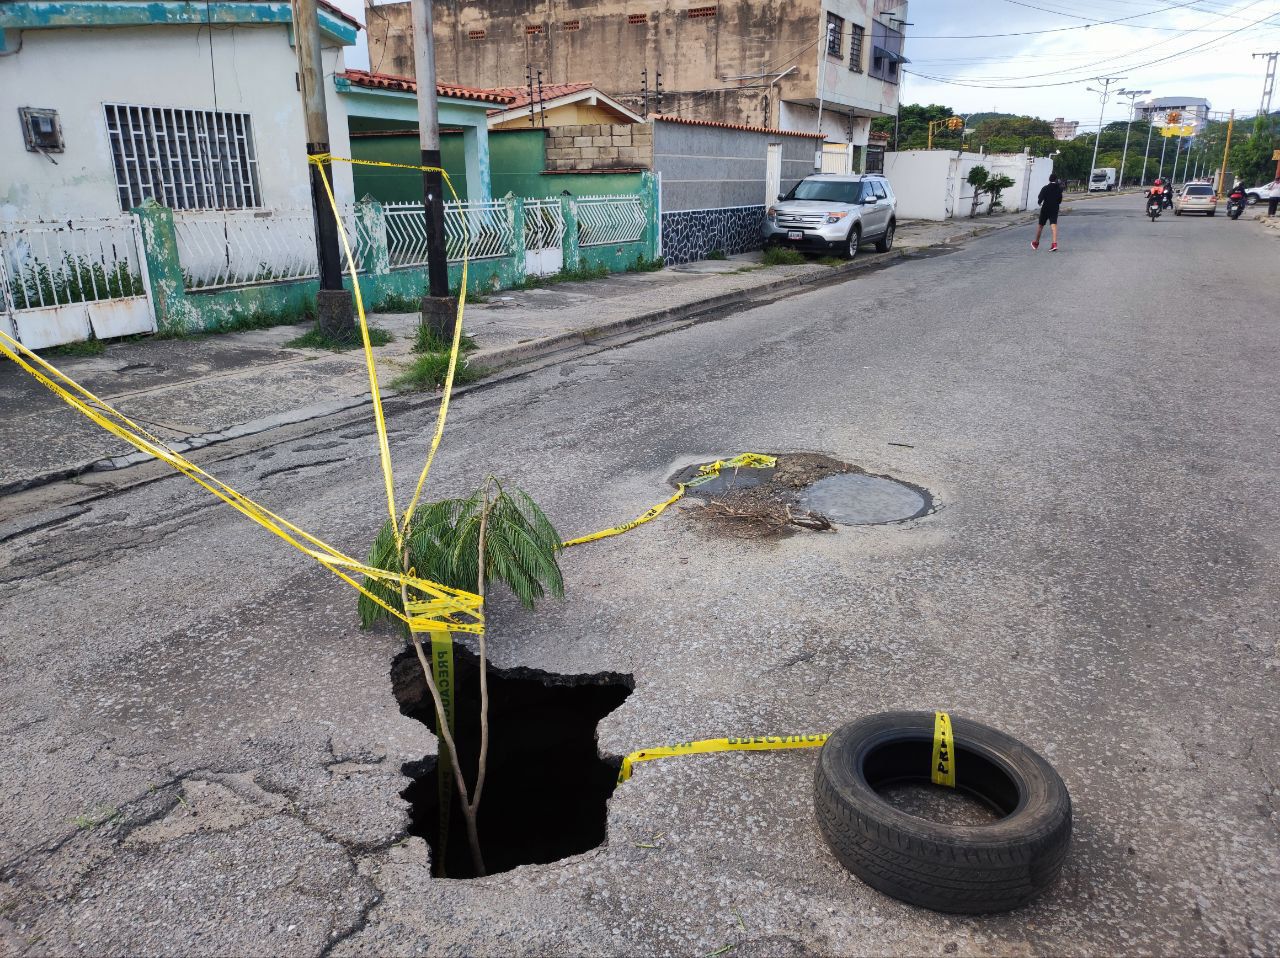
62	282
485	225
606	220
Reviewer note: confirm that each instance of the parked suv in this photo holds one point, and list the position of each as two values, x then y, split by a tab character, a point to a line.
1260	194
829	211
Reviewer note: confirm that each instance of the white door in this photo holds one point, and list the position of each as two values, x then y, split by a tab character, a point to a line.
543	237
835	158
772	173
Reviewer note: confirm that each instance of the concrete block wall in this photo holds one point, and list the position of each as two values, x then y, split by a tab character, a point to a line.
600	146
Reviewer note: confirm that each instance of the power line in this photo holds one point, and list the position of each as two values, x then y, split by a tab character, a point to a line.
1133	66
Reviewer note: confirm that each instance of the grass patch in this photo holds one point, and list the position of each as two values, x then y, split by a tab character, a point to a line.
831	261
89	347
426	341
642	265
315	339
290	315
782	256
95	817
717	254
397	303
428	370
577	275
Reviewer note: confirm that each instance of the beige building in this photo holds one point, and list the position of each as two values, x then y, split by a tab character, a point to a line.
558	104
1064	129
763	63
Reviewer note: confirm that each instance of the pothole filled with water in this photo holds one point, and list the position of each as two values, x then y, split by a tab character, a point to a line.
802	491
546	788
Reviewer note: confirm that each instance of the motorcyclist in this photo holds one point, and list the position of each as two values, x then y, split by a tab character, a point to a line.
1159	189
1236	194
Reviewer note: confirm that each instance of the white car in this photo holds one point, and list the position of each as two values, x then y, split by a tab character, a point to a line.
1260	194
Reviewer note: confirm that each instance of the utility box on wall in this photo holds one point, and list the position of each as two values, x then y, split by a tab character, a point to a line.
41	130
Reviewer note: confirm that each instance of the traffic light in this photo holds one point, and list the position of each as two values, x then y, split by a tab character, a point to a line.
1172	117
955	123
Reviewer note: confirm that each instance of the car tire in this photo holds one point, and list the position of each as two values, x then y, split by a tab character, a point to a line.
885	242
1177	212
963	869
1210	213
1251	198
853	241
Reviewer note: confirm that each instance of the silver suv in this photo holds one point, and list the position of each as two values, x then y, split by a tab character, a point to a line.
829	211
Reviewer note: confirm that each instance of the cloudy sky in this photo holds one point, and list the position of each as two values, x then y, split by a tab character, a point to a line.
1060	45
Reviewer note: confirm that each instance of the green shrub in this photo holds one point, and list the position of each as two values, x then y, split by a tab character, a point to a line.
426	341
717	254
73	280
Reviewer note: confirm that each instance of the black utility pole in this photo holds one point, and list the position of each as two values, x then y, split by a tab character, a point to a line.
335	309
437	312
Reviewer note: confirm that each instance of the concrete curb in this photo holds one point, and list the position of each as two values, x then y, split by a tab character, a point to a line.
604	336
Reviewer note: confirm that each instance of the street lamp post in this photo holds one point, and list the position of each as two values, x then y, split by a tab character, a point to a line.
1103	95
1132	95
1146	154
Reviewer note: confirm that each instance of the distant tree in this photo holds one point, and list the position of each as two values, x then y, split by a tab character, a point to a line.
982	181
913	125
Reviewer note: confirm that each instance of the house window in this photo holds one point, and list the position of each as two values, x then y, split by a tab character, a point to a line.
634	18
475	34
855	48
835	34
571	25
875	159
533	30
886	52
183	159
700	13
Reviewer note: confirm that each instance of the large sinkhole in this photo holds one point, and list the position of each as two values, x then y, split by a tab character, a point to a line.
546	789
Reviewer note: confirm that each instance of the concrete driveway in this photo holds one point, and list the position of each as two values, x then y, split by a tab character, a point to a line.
202	752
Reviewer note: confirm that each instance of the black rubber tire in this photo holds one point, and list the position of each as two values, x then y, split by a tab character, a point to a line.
964	869
885	242
853	242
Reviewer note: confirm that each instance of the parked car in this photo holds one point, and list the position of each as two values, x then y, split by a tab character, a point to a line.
1260	194
1196	198
829	211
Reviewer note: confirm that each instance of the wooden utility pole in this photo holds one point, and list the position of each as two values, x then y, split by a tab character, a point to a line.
1226	154
424	63
335	309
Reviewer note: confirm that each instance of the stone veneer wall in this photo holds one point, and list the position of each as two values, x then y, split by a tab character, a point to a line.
689	235
593	146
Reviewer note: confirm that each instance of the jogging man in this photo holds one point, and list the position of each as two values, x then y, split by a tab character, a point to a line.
1050	200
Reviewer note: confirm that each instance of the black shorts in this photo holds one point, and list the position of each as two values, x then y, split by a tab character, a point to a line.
1048	215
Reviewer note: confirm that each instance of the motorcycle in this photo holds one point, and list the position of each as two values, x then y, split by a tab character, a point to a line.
1167	196
1154	205
1235	206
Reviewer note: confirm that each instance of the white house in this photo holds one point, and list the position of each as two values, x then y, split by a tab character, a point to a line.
106	103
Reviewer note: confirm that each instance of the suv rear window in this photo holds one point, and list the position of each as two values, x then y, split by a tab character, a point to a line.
1199	190
831	190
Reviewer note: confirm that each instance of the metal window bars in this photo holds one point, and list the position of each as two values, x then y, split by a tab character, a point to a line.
183	159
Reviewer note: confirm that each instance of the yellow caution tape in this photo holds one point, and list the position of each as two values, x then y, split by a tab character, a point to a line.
944	751
759	743
746	460
440	609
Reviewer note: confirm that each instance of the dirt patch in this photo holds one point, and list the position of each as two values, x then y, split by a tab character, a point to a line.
744	508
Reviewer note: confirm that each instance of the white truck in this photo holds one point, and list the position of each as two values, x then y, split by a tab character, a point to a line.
1102	179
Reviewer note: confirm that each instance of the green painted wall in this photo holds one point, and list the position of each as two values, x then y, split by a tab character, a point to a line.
404	186
516	161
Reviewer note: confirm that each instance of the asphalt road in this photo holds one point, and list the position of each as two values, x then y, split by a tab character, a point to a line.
201	752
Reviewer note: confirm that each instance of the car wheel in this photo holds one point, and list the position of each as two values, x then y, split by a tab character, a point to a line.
1177	212
885	243
1252	198
855	238
1210	213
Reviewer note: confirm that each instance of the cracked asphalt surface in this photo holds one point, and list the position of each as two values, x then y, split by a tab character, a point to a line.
201	752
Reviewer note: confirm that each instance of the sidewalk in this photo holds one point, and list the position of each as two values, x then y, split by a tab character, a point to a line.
194	392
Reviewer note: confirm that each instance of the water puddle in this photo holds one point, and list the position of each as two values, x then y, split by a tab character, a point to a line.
546	790
859	499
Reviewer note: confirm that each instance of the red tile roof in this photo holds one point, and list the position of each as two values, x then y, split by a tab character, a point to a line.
385	81
550	91
733	126
881	137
